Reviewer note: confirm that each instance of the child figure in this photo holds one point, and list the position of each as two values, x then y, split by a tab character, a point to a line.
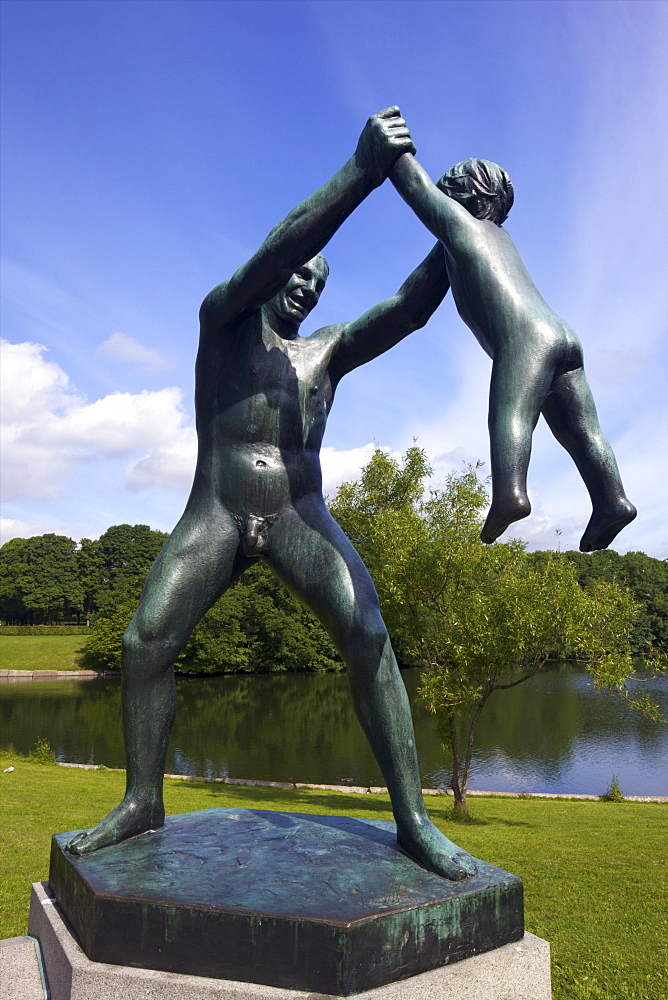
537	358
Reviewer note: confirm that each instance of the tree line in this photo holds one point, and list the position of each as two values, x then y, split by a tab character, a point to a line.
256	626
50	578
478	619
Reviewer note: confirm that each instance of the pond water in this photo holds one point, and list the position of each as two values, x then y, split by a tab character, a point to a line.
553	734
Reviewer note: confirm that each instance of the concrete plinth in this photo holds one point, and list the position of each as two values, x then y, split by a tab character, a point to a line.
21	972
519	971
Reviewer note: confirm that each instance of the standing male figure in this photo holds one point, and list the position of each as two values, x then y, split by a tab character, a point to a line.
262	398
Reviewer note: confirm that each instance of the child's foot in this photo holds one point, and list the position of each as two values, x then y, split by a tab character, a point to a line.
605	524
502	513
128	819
426	844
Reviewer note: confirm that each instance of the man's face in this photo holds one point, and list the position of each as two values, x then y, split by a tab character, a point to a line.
296	299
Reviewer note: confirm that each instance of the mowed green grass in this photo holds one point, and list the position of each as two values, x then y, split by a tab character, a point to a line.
41	652
595	873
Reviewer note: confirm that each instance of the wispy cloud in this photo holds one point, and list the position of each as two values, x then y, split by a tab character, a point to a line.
128	351
167	466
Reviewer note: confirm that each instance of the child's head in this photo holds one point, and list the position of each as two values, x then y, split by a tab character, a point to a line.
482	187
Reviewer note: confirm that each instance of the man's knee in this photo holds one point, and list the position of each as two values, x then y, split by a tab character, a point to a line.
367	636
151	643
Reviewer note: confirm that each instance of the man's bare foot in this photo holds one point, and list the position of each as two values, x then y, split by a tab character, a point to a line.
427	845
128	819
604	525
502	513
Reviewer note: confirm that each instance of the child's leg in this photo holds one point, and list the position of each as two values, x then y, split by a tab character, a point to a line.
517	391
571	415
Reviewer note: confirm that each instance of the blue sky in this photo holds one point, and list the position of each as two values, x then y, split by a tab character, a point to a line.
148	148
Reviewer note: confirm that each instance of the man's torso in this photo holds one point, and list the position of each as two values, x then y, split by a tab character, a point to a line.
262	405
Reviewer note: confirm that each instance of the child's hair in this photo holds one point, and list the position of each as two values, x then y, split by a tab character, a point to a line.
483	188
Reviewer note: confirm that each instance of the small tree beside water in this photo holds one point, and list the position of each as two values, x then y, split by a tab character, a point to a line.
478	618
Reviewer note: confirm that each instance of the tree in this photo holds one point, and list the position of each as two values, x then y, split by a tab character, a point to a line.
256	626
113	568
39	580
645	577
477	618
103	644
90	564
13	559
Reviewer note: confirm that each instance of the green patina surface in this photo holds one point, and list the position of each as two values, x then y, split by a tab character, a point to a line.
289	899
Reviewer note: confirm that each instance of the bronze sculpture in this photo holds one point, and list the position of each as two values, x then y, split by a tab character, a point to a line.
263	396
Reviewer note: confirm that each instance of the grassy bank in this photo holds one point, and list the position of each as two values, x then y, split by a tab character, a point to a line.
41	652
595	873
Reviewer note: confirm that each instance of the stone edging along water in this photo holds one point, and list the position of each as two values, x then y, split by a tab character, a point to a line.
50	675
373	789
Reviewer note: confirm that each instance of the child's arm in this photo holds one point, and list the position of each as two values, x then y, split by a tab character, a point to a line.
441	215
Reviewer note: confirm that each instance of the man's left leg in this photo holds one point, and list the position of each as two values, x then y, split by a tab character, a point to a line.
317	563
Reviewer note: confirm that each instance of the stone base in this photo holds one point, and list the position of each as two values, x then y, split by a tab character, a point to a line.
519	971
328	904
21	972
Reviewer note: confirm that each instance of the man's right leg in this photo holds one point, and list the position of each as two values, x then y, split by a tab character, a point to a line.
197	563
311	555
571	415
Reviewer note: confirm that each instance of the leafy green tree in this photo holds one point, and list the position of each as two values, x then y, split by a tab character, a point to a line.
13	566
256	626
645	577
477	618
103	644
90	565
114	567
39	581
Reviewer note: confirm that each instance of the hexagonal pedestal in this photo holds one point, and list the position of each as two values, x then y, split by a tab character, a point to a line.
299	901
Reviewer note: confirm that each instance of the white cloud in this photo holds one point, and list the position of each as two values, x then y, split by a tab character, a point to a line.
345	466
30	384
169	466
48	429
11	527
128	351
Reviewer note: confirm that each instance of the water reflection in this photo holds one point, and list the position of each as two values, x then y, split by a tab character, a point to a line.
555	733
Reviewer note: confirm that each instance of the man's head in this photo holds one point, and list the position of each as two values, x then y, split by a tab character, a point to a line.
482	187
296	299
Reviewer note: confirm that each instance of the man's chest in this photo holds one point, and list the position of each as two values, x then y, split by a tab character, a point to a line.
289	373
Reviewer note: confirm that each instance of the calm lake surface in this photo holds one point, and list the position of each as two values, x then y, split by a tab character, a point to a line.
552	734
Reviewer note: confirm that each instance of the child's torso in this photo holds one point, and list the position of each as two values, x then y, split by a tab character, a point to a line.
497	298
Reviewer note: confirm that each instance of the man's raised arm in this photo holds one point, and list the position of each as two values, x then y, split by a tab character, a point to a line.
309	226
390	321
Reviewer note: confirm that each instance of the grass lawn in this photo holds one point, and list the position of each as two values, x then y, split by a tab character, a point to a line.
41	652
595	873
